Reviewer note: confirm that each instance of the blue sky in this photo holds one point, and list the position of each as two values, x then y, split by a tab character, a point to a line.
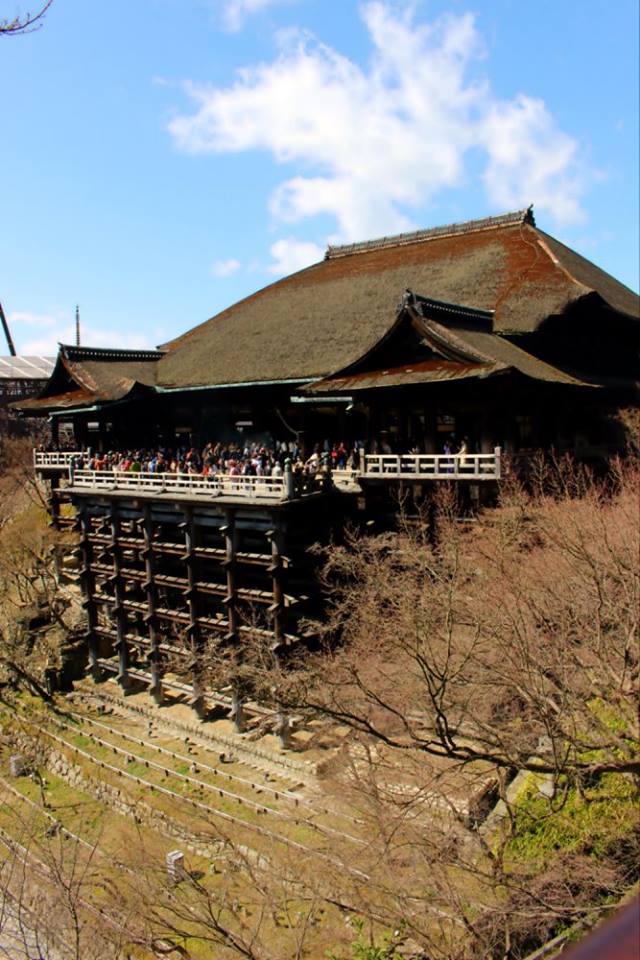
161	159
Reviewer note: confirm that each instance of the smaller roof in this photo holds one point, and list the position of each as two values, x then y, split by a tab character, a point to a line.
425	371
26	368
467	348
86	376
70	400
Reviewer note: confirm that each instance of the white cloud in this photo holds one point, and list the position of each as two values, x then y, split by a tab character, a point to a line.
235	12
224	268
529	157
291	255
371	146
38	334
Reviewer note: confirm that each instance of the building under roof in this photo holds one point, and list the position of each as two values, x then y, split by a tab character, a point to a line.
23	376
474	324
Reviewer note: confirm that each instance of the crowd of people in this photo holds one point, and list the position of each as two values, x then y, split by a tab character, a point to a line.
251	459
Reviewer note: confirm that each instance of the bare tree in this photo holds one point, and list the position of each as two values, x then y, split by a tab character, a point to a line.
495	645
507	645
55	903
25	22
36	616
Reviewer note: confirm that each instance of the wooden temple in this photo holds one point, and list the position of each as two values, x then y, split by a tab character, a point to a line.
490	330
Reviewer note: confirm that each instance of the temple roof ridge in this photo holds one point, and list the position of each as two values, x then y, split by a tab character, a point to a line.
73	352
433	233
446	306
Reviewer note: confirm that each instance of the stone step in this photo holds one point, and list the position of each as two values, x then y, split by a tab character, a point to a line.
253	755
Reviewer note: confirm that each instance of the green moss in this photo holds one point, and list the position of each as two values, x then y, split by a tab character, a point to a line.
587	821
137	769
609	715
84	743
383	949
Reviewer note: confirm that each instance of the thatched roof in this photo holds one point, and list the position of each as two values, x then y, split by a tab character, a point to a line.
323	320
86	376
406	375
111	374
463	346
325	317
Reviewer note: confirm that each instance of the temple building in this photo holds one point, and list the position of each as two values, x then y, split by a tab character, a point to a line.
433	354
490	329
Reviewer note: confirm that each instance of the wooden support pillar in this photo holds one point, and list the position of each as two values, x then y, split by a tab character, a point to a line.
193	630
283	730
229	531
88	590
231	600
102	436
277	608
80	432
54	502
118	590
237	709
431	430
155	663
487	428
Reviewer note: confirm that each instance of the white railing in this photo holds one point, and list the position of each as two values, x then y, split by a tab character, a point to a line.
345	478
418	467
272	488
432	466
54	458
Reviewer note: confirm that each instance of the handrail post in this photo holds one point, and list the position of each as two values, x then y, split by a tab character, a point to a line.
326	472
289	492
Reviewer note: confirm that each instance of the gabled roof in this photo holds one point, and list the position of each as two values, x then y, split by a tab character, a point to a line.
110	374
462	346
323	318
86	376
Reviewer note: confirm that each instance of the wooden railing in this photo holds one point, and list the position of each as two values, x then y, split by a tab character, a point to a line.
55	458
417	467
432	466
345	478
272	488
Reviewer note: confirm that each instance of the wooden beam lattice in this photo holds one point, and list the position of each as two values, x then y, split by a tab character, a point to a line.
119	597
149	586
88	589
